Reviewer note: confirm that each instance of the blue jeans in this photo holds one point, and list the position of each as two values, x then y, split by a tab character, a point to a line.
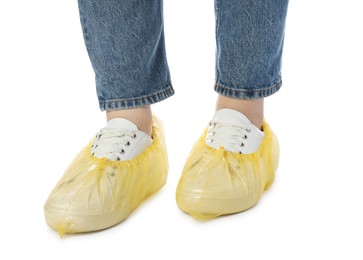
125	43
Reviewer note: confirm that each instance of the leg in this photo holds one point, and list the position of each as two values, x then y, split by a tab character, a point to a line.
250	37
125	43
122	165
233	162
251	108
141	117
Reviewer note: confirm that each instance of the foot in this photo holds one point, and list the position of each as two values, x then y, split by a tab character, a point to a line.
108	179
234	132
252	109
230	166
141	117
120	140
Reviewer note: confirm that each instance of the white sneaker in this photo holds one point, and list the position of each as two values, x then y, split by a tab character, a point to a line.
97	193
233	131
218	182
120	140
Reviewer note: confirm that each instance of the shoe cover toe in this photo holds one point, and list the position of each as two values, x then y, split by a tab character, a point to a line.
96	193
215	182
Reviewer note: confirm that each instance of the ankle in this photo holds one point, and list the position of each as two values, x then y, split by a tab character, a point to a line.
141	117
252	109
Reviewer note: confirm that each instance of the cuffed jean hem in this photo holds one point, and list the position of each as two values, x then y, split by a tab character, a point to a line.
128	103
247	93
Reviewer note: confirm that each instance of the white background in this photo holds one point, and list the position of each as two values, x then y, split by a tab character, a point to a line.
49	111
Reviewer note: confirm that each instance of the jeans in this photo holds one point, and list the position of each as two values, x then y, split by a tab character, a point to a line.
125	43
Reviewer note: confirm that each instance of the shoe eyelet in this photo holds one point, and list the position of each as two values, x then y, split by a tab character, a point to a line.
248	130
214	133
134	136
242	145
245	137
240	152
122	151
128	143
211	140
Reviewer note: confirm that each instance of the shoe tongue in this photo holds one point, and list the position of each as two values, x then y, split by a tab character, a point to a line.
120	123
231	117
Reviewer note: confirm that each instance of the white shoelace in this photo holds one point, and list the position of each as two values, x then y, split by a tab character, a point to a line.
228	136
112	143
242	139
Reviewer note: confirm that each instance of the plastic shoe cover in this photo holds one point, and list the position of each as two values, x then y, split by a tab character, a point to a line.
96	193
216	182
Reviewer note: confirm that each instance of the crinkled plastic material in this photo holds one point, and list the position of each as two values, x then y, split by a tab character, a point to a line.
95	193
216	182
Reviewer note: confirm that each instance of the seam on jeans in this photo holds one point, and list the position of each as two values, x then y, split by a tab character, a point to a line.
218	15
217	7
84	28
245	93
169	87
217	84
119	104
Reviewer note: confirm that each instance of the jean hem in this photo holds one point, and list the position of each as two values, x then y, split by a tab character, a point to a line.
129	103
247	93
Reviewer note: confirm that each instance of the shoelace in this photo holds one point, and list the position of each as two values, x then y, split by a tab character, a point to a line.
112	143
221	134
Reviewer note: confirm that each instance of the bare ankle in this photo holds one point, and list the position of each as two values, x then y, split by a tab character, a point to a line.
252	109
141	117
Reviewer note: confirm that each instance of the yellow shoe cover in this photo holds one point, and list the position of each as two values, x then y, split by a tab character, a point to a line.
96	193
217	182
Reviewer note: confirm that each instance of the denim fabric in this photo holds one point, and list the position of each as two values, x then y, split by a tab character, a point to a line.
125	43
249	35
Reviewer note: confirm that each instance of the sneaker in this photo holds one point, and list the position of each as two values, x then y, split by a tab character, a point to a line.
120	140
108	179
234	132
229	167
